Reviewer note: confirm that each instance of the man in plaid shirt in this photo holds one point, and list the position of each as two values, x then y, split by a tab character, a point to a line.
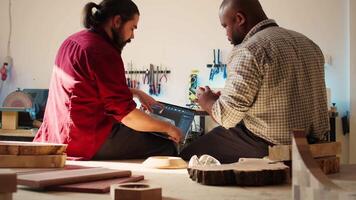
275	84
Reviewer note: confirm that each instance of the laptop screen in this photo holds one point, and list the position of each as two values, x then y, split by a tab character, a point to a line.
178	116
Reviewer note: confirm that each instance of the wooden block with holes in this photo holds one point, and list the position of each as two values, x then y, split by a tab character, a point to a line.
135	191
324	153
8	184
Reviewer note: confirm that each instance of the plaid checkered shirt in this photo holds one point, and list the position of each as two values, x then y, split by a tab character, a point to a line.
275	84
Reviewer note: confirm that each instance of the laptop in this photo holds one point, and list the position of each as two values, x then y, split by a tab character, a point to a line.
178	116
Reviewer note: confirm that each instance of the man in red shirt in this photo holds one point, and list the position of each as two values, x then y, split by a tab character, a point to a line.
90	106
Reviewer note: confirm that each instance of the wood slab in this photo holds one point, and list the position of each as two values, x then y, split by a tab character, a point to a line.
101	186
38	161
7	181
284	152
249	172
31	148
45	179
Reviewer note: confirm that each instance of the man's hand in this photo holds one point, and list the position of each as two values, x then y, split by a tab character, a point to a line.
146	101
206	98
175	134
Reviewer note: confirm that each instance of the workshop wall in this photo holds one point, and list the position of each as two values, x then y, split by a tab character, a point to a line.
177	34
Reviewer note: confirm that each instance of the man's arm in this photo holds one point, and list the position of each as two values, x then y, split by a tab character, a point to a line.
140	121
240	92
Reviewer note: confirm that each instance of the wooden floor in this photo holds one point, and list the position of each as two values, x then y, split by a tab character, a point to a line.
177	185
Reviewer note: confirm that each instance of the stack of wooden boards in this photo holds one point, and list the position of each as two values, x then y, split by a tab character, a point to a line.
42	166
32	155
325	154
246	172
7	184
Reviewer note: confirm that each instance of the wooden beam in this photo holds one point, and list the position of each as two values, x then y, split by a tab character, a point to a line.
284	152
9	120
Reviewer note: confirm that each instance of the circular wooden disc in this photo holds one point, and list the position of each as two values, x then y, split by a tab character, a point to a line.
165	162
18	100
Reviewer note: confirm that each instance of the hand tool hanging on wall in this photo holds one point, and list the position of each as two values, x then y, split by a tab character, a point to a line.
151	80
217	66
164	76
158	85
221	65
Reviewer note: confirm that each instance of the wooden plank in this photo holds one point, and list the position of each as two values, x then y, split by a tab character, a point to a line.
101	186
7	181
9	120
28	161
18	133
45	179
329	165
257	172
284	152
31	148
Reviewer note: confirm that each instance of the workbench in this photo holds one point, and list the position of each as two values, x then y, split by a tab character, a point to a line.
176	184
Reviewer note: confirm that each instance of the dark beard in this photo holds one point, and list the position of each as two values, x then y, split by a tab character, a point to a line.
236	38
118	40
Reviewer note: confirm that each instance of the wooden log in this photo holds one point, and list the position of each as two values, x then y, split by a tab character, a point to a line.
249	172
284	152
38	161
31	148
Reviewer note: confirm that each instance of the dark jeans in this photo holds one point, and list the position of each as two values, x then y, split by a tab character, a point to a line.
228	145
126	143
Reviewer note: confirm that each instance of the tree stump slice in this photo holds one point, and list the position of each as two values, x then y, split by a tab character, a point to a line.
246	172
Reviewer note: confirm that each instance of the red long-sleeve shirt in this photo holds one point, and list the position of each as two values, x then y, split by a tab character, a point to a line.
87	95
